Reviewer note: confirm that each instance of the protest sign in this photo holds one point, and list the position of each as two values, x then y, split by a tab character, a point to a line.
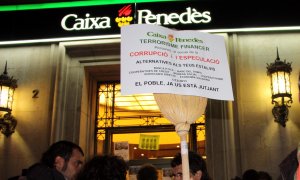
155	59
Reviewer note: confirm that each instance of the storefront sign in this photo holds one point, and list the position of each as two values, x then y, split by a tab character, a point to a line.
155	59
64	23
91	21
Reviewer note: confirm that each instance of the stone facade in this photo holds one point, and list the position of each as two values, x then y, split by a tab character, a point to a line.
240	135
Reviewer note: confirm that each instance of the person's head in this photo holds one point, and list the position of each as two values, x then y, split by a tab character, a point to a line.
198	170
66	157
262	175
106	167
250	174
147	172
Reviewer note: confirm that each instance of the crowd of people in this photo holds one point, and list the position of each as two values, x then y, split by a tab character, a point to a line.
64	160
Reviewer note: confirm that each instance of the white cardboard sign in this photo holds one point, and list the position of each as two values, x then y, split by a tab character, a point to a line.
155	59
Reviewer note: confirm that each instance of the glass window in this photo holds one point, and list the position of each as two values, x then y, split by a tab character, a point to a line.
135	127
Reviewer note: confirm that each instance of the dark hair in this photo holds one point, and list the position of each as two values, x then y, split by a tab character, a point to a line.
250	174
196	163
63	149
147	172
264	175
106	167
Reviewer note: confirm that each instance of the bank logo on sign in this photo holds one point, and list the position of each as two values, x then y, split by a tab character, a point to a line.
124	16
75	22
171	37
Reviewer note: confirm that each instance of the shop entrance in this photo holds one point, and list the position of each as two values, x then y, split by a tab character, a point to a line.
133	127
120	124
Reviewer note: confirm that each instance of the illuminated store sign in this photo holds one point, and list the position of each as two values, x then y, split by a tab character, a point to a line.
72	22
190	16
92	21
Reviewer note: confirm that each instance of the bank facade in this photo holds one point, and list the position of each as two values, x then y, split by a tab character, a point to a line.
66	54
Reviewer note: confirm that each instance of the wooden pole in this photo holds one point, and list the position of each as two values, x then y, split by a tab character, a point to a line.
184	156
181	110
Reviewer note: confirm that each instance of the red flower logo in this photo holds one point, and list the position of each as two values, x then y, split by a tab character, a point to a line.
124	16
